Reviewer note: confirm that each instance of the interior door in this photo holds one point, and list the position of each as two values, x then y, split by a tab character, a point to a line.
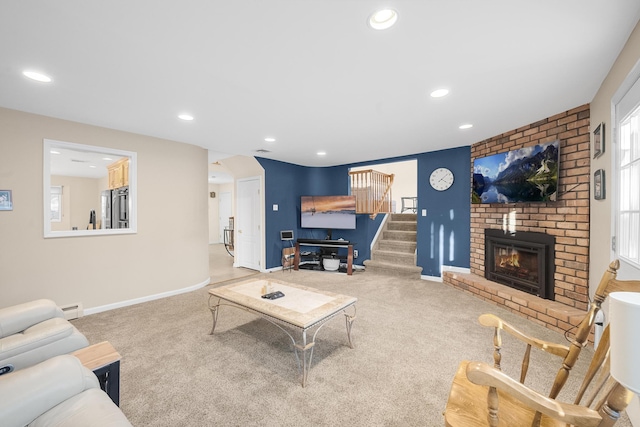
247	228
224	212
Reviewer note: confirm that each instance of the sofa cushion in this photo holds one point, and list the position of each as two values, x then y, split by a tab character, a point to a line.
91	408
26	394
39	335
19	317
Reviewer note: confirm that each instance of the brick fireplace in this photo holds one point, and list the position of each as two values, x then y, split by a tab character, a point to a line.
566	220
523	260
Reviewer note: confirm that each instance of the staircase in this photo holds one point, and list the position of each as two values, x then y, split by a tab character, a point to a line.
394	254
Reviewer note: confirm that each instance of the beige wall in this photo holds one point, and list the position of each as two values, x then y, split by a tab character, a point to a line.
214	211
214	229
601	220
168	253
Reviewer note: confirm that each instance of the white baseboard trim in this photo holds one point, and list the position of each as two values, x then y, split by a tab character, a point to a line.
99	309
431	278
461	270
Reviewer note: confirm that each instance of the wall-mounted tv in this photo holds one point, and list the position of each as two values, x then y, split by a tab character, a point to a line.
330	212
529	174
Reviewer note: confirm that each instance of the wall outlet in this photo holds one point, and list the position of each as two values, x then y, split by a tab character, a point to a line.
355	253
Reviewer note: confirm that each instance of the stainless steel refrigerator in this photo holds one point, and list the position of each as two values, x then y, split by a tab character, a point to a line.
115	208
105	202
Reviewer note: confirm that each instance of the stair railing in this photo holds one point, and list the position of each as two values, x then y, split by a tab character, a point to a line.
372	190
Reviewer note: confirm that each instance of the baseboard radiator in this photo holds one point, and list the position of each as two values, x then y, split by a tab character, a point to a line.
72	311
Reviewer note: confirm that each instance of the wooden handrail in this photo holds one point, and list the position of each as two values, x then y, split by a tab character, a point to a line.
372	190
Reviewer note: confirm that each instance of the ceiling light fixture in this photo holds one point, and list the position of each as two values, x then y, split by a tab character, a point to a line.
321	153
439	93
383	19
465	126
270	139
39	77
186	117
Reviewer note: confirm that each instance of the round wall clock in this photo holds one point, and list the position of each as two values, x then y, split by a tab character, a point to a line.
441	179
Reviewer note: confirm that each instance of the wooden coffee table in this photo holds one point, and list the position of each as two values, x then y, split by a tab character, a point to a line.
302	310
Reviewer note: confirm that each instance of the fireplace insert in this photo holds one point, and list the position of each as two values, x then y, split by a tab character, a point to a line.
522	260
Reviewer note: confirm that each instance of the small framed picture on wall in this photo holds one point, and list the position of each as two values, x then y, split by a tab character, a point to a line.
598	141
6	201
598	185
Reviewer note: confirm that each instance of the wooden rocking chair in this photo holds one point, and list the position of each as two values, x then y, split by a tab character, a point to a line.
479	389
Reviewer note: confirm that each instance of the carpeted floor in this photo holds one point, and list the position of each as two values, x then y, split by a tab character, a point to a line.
409	337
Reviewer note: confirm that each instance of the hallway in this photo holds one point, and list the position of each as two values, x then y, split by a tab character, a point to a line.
221	265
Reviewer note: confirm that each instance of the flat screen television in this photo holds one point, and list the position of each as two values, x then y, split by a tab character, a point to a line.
330	212
529	174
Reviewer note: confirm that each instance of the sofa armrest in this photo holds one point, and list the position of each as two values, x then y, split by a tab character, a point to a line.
19	317
28	393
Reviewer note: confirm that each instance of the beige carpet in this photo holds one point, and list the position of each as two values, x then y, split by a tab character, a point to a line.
409	337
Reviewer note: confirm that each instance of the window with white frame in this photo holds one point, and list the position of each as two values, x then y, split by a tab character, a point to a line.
628	176
56	203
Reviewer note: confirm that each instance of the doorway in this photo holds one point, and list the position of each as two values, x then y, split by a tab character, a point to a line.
224	213
248	241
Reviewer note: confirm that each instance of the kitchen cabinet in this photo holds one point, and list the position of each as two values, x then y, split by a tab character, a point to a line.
118	173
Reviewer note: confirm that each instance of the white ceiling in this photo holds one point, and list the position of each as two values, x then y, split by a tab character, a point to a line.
310	73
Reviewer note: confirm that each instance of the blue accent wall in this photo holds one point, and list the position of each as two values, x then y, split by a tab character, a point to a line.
443	234
285	183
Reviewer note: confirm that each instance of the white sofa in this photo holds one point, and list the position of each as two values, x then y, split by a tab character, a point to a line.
57	392
33	332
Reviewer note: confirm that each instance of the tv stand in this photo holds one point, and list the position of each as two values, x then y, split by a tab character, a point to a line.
324	244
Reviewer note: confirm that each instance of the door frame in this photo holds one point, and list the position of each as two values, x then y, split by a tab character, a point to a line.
260	245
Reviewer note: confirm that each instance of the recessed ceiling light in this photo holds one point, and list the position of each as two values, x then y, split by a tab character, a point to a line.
39	77
187	117
92	166
439	93
321	153
107	158
465	126
54	152
270	139
383	19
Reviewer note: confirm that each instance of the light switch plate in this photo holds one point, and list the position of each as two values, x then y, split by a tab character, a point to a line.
275	207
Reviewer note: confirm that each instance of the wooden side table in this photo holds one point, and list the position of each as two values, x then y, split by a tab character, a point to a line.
104	361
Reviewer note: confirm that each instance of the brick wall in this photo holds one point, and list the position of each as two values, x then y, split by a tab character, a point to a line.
567	218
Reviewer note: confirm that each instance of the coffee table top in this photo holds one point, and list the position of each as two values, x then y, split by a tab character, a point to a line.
301	306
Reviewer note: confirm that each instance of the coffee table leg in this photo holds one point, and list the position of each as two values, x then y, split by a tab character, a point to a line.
349	321
214	314
304	350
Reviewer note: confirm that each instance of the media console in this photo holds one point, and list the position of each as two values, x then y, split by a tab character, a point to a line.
325	244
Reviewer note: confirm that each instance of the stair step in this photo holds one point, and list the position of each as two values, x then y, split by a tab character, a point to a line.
403	217
407	236
402	226
397	246
398	258
388	269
